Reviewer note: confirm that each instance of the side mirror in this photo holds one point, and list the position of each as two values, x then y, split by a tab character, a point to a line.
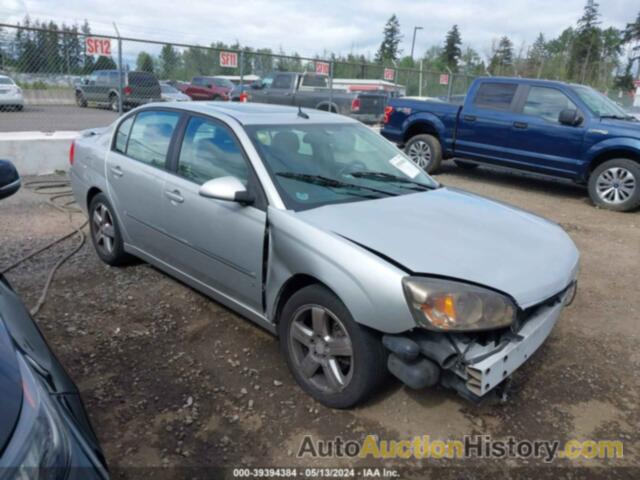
257	85
570	116
230	189
9	179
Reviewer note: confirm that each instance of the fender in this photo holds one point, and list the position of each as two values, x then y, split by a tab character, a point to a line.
329	106
632	145
370	288
432	120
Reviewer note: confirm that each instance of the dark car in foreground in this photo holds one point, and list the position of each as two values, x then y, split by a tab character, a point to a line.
102	88
44	430
554	128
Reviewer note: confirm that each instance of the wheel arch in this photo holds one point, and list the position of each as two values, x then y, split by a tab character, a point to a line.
91	193
327	107
610	155
293	285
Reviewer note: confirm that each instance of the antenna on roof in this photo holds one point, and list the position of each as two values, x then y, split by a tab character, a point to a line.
301	113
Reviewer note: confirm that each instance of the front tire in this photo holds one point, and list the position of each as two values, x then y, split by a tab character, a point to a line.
425	151
105	232
80	100
335	360
113	102
615	185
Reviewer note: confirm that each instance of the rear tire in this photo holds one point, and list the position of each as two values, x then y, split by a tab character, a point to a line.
80	100
425	151
615	185
466	165
334	359
113	102
105	232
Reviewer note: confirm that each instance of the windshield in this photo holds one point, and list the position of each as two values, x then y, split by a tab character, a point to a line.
6	81
321	164
223	82
168	89
598	103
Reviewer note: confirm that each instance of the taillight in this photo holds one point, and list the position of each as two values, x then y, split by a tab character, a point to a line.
72	153
388	110
127	90
244	97
355	104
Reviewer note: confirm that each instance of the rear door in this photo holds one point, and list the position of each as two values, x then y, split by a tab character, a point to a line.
538	141
136	175
219	243
89	90
485	122
281	91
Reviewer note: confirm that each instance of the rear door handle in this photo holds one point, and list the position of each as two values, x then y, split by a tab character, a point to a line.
520	124
174	196
117	171
469	118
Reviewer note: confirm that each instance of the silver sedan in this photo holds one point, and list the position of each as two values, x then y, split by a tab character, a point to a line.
322	232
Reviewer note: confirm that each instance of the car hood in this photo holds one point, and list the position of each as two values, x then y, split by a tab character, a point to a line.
10	386
627	128
459	235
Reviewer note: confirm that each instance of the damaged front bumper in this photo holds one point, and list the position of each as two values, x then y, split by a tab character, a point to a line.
472	364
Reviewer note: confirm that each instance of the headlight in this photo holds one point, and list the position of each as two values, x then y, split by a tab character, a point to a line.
40	445
453	306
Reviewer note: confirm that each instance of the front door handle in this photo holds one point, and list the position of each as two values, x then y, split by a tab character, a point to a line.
520	125
174	196
117	171
470	118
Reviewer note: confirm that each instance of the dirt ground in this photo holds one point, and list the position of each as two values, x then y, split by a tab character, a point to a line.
172	379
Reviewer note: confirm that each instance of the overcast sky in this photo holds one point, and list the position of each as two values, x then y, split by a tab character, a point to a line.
309	27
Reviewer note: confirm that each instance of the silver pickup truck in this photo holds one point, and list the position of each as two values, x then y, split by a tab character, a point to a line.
312	91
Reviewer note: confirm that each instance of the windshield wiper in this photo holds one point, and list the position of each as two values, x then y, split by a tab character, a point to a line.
389	177
330	182
619	117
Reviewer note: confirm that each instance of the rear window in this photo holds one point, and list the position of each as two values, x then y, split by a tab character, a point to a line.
223	82
142	79
282	81
122	135
151	136
5	81
497	96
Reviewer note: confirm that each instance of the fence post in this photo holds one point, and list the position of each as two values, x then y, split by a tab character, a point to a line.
330	85
420	79
450	86
120	70
241	70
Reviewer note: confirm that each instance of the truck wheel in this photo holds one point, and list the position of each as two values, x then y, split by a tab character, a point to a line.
425	151
80	100
615	185
335	360
465	165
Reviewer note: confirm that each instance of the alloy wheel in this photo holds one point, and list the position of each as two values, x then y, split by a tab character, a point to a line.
420	154
615	185
103	229
321	348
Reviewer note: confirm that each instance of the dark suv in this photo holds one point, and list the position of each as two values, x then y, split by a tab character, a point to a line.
102	88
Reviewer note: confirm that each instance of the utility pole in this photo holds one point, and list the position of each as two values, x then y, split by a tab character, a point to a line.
121	70
413	42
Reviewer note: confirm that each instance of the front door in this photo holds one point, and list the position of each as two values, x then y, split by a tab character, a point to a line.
219	243
136	174
539	141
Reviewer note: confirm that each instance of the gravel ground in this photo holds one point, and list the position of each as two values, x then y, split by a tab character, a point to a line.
50	118
172	379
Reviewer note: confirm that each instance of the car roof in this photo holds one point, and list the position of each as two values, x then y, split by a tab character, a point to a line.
259	113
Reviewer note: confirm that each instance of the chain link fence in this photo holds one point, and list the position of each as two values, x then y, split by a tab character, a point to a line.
70	67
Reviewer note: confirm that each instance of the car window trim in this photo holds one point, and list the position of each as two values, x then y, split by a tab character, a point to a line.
520	107
253	181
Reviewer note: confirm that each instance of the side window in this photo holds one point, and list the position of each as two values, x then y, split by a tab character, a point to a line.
196	81
546	103
150	137
282	81
497	96
103	78
267	81
210	151
122	135
93	78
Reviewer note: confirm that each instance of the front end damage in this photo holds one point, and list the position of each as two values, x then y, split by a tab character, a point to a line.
476	363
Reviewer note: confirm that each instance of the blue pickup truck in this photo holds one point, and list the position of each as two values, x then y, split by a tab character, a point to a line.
548	127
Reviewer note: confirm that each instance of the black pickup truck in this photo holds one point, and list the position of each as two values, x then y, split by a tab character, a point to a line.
312	91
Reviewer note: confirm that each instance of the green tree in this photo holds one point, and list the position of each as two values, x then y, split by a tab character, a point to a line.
586	46
537	57
104	63
632	32
451	52
501	62
471	62
389	50
169	62
144	62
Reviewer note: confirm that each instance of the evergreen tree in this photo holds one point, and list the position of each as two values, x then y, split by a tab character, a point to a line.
87	60
144	63
536	57
451	52
501	62
586	48
389	50
169	61
105	63
632	32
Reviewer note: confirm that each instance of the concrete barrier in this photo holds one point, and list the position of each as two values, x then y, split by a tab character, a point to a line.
37	153
54	96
